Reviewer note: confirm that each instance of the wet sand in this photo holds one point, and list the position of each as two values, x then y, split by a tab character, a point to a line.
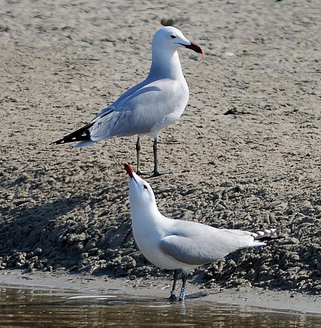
159	289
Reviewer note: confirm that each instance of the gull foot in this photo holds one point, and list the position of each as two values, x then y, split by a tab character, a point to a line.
172	297
152	173
182	294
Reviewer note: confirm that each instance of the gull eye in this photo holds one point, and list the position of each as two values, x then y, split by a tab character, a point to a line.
173	36
145	187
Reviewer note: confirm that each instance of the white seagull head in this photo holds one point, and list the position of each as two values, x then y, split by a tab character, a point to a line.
169	37
140	192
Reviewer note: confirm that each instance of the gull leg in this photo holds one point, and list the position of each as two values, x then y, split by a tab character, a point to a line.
138	152
156	172
173	296
183	289
155	157
138	148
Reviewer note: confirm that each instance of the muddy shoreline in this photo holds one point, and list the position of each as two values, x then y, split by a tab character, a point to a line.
159	288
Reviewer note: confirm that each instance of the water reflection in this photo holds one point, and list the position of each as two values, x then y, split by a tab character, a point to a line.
39	308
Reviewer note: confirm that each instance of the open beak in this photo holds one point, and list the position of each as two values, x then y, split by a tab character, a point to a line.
194	47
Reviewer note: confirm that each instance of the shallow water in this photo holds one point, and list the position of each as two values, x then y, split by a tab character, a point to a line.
55	308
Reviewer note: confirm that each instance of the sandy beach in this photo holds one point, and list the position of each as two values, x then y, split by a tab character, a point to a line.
245	154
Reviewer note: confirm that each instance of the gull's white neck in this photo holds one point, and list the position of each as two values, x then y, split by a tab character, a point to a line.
165	64
147	223
147	215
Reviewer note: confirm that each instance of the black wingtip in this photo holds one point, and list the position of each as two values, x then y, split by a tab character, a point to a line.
266	235
82	134
58	142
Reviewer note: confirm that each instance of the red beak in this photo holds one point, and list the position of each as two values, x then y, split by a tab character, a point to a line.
194	47
129	169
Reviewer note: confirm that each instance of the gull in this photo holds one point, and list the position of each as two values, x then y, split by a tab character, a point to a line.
149	106
175	244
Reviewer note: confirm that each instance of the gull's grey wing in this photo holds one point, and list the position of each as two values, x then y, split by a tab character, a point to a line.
146	109
196	244
121	98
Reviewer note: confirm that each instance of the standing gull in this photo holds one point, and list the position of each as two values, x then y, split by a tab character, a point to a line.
149	106
178	244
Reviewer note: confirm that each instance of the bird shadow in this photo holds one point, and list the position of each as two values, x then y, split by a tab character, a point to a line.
25	228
